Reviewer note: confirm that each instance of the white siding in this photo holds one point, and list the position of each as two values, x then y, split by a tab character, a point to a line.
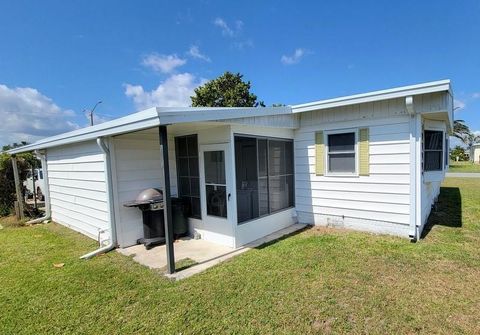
431	180
77	188
379	202
137	166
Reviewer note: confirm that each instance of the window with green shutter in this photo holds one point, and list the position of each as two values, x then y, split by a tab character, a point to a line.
342	152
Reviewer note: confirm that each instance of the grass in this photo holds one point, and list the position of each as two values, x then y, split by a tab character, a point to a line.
463	167
318	281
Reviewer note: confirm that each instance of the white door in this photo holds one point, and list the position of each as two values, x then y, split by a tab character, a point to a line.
216	193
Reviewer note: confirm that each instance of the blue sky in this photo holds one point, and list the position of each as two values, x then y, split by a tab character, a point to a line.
59	57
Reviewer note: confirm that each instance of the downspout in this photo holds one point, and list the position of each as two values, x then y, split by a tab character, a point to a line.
111	216
48	212
412	232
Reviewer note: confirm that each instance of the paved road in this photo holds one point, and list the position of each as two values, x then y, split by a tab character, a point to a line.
463	175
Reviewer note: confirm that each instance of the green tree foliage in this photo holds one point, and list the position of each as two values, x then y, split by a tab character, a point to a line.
459	152
228	90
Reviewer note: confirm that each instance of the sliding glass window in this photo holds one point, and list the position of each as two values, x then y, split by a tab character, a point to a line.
264	176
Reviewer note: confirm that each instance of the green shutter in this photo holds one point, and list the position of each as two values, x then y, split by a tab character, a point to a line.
319	154
364	152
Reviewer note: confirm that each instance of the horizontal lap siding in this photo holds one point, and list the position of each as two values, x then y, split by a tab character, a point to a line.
138	166
379	202
77	187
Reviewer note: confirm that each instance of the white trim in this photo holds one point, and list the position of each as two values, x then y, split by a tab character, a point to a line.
227	234
153	117
398	92
413	176
326	133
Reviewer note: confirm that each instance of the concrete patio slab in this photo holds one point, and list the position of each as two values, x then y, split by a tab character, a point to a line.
205	254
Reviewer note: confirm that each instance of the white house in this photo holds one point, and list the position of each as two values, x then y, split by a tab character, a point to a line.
371	162
476	153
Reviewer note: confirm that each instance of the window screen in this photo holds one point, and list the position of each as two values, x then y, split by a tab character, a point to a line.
186	149
433	150
341	153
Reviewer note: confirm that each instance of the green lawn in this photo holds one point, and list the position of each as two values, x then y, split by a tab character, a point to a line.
463	167
318	281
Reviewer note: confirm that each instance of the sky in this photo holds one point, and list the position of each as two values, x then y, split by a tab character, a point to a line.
58	58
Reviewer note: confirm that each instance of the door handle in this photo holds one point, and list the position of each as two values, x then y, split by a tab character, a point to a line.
228	198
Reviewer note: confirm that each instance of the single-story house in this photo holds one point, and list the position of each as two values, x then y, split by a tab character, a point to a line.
476	153
372	162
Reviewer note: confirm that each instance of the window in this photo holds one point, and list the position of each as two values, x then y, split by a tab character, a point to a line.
186	149
446	155
433	150
264	176
341	153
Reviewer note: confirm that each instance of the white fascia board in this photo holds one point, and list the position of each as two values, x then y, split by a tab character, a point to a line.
169	115
134	122
431	87
149	118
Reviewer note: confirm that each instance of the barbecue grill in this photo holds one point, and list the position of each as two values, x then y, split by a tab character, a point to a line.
150	202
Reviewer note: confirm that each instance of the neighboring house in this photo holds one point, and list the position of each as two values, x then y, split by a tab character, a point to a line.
371	162
476	153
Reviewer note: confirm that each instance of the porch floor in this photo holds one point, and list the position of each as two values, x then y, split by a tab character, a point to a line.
204	254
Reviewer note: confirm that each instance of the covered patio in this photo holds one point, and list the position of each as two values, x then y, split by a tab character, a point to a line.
199	254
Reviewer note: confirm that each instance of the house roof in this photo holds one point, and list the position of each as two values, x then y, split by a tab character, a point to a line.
156	116
152	117
392	93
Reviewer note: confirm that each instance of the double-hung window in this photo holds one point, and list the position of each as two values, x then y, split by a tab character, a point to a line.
433	150
341	153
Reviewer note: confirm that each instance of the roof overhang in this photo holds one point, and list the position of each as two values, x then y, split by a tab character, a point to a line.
152	117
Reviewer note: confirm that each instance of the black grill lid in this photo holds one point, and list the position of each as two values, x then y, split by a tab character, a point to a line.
148	196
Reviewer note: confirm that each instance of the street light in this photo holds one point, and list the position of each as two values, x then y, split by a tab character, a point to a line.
90	112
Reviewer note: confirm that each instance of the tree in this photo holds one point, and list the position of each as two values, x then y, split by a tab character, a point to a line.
460	129
228	90
459	152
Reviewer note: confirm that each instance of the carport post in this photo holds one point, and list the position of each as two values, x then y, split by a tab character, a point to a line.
167	201
17	187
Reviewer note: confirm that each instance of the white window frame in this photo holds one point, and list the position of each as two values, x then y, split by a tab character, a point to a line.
442	150
327	153
434	175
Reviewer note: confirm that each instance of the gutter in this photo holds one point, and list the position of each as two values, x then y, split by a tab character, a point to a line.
414	198
48	212
111	216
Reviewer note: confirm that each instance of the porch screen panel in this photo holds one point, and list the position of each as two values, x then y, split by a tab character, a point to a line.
186	149
264	176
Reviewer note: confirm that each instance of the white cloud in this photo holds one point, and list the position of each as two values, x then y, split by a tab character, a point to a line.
175	91
194	52
28	115
226	29
458	105
293	59
476	95
163	63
